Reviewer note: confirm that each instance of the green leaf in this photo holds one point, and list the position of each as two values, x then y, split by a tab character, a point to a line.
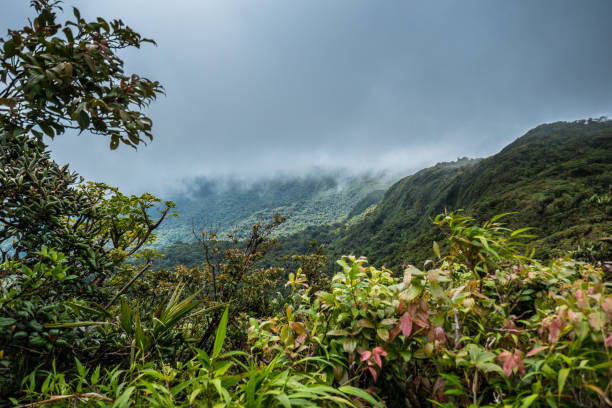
68	325
437	292
383	334
349	345
9	48
562	378
47	129
366	323
68	33
284	400
114	143
529	400
91	308
390	321
222	391
436	249
83	120
338	332
490	367
358	392
124	398
220	338
599	391
520	231
126	317
6	321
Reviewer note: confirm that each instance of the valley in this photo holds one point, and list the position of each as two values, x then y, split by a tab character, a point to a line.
553	178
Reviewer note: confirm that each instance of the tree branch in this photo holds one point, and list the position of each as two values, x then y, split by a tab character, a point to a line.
126	287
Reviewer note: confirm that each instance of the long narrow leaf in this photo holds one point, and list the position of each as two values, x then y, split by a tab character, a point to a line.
220	338
358	392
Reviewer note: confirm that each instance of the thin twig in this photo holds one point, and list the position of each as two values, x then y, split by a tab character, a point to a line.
76	396
147	266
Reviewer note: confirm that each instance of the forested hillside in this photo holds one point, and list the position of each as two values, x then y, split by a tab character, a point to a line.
233	206
557	178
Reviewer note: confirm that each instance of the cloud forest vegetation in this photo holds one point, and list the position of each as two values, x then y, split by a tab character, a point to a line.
86	321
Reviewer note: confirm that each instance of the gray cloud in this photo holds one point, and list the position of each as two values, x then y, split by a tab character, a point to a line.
261	87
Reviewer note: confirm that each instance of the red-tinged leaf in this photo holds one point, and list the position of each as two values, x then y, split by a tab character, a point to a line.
596	321
511	361
573	316
609	341
518	360
480	295
438	389
535	351
297	327
554	329
440	334
510	326
421	321
380	351
402	306
300	339
606	305
406	324
378	360
393	333
508	364
365	355
377	353
373	372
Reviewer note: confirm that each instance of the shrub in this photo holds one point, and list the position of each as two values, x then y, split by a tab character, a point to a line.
484	326
206	380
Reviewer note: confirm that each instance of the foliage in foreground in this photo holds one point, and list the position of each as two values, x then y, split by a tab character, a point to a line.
232	379
484	326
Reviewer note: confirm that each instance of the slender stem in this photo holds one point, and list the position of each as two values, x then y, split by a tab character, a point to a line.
147	266
457	327
76	396
475	388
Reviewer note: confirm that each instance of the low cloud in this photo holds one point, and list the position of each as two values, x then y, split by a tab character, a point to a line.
268	87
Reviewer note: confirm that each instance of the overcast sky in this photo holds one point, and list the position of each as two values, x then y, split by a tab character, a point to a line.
259	87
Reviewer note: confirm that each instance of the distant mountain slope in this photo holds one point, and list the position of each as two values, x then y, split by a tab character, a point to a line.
230	205
548	176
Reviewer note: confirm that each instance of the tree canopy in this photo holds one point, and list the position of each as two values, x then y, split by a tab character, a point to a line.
67	75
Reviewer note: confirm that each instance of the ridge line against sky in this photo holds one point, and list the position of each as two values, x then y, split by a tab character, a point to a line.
266	87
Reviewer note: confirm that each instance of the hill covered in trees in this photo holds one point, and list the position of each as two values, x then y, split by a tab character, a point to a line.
557	178
232	206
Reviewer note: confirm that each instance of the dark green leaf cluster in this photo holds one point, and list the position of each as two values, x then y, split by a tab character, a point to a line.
58	76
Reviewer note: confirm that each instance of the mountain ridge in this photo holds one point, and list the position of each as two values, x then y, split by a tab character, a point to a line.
547	176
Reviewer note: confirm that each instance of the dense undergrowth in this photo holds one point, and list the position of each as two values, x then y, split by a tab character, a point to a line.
485	325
